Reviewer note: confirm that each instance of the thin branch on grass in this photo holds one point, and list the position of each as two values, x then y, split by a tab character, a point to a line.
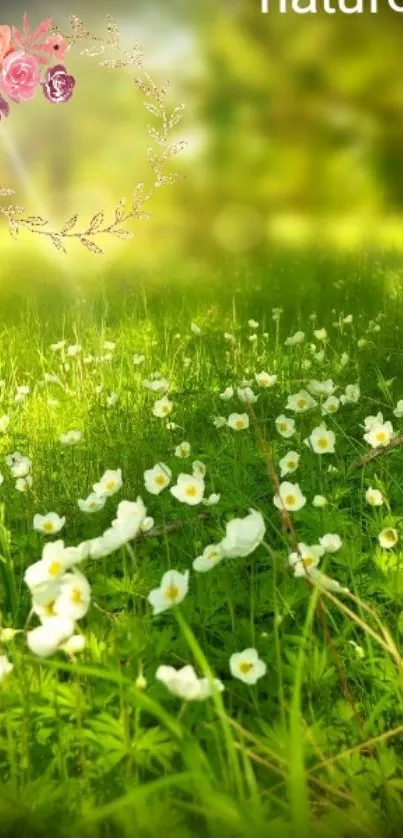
378	452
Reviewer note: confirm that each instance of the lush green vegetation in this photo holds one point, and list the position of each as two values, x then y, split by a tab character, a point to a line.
95	745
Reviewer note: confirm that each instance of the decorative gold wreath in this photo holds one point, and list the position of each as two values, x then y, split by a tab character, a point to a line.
157	155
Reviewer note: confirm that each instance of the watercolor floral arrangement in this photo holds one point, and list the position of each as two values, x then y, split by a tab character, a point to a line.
25	57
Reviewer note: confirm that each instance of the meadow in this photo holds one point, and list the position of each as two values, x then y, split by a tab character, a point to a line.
220	653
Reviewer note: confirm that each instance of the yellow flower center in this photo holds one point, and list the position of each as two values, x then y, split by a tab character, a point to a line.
54	568
323	442
191	491
76	596
389	535
292	464
239	424
301	403
110	485
48	526
307	561
282	426
289	500
213	554
381	436
49	609
160	480
245	667
172	593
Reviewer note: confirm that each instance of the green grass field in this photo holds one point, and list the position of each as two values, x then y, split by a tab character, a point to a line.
93	744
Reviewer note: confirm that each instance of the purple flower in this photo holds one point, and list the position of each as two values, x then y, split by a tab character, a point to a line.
58	85
4	108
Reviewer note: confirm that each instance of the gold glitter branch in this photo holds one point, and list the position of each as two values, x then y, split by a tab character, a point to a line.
158	155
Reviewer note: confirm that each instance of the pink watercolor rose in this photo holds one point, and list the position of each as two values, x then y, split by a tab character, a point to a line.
20	76
5	41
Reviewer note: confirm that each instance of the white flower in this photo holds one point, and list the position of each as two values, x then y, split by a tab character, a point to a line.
172	590
48	524
289	497
331	542
344	359
56	347
138	359
238	421
321	388
74	350
47	638
229	337
212	500
183	450
163	407
331	405
379	434
320	334
23	484
147	524
307	557
264	379
325	582
374	497
75	555
198	468
351	394
74	598
55	560
22	467
289	463
70	438
156	385
247	666
285	426
348	319
195	329
219	421
372	421
75	644
5	666
4	423
211	556
388	538
189	489
185	684
105	544
129	519
320	501
322	441
294	340
253	324
398	411
246	395
157	478
227	394
112	399
109	484
109	345
243	535
93	503
300	402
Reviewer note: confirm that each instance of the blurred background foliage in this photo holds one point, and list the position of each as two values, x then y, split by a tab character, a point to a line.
294	127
